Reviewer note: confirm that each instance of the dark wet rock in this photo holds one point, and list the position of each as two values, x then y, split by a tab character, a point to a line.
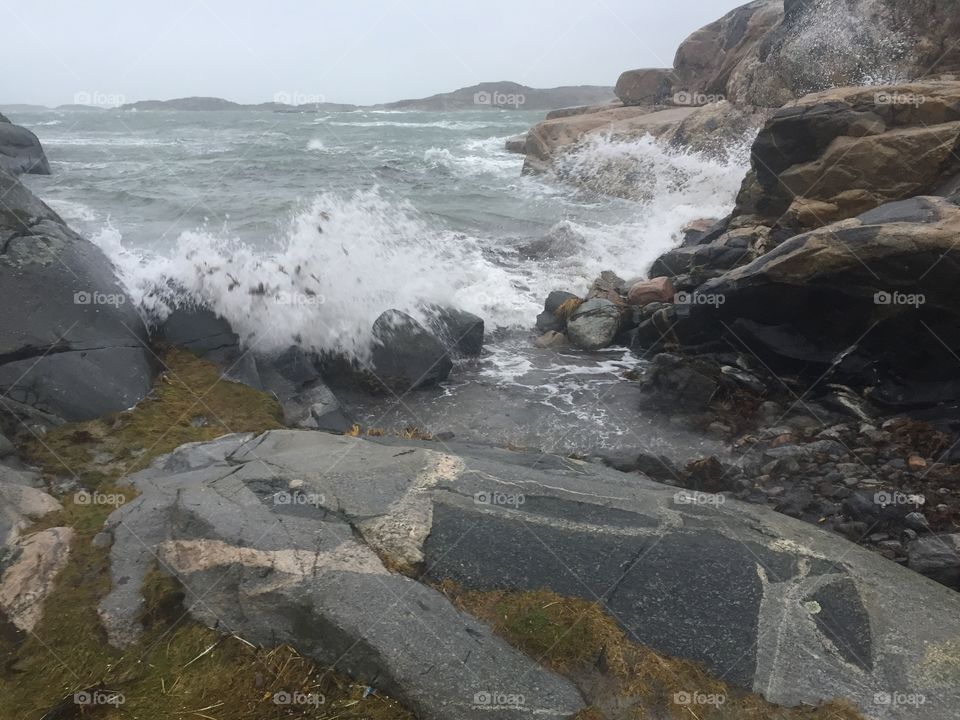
937	557
680	381
516	144
707	261
294	378
406	355
873	304
703	232
594	324
459	330
20	151
6	447
211	337
814	617
76	349
548	320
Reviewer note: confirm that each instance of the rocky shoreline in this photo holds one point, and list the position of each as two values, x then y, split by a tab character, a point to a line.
167	493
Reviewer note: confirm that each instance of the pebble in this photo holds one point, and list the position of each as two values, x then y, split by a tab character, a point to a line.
102	540
916	463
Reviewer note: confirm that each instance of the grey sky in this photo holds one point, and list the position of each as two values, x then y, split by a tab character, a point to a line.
352	51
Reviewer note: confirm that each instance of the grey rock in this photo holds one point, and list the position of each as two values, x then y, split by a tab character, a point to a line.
79	352
21	152
102	540
814	616
406	355
594	324
6	447
937	557
459	330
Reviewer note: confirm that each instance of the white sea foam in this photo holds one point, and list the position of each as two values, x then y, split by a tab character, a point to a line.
345	258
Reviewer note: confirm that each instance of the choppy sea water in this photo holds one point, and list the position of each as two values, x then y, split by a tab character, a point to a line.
330	219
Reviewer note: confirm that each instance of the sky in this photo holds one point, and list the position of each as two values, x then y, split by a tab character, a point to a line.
353	51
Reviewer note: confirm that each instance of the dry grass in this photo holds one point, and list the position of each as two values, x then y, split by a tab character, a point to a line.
568	308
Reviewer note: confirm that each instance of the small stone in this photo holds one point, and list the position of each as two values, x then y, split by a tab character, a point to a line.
719	429
916	521
551	339
649	291
102	540
916	463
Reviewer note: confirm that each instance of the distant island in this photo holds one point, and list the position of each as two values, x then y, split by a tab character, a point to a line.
484	96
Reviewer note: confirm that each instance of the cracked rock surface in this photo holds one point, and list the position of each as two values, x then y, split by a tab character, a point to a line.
283	538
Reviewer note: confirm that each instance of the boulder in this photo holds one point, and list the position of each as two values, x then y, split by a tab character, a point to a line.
294	378
211	337
283	549
28	570
594	324
711	60
551	339
561	241
20	151
645	87
407	356
658	289
276	563
3	118
871	299
937	557
549	320
836	154
6	447
75	348
732	249
459	330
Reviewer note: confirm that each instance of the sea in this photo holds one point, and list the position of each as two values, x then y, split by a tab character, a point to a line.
304	227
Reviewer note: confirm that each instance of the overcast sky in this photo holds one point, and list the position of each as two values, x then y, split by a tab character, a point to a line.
355	51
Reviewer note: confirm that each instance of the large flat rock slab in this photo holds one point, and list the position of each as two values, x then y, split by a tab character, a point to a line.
284	538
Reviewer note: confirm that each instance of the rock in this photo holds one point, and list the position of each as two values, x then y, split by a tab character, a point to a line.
548	320
21	152
102	540
19	504
703	231
278	565
676	381
211	337
315	582
859	299
712	60
551	339
645	87
407	356
658	289
79	352
594	324
517	144
916	463
459	330
838	154
562	240
732	249
551	139
937	557
294	378
28	573
6	447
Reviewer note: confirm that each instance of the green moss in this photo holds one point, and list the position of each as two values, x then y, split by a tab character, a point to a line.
190	402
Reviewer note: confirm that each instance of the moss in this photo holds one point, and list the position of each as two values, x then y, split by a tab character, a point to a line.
620	678
190	402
